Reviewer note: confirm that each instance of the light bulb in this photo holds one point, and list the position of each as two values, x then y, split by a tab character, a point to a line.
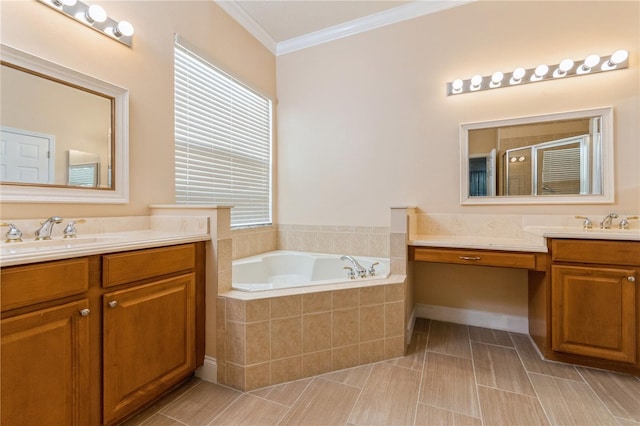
618	57
497	77
540	71
517	75
456	85
590	62
124	28
96	13
564	66
476	81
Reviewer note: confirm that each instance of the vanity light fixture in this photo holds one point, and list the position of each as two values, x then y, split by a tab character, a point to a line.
94	16
592	64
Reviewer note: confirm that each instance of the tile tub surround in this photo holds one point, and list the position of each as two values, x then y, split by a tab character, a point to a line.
270	340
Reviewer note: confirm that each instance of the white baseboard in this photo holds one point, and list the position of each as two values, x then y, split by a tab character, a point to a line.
516	324
209	370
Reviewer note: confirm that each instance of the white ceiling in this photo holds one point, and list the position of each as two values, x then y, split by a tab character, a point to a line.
287	25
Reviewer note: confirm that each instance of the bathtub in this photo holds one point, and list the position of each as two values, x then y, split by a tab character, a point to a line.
287	269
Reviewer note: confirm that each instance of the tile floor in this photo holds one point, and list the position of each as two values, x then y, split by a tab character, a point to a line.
452	375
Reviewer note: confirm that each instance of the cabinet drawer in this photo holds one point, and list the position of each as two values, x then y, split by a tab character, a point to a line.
127	267
479	257
596	251
29	284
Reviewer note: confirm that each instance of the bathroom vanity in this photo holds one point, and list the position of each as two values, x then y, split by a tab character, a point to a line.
584	306
92	339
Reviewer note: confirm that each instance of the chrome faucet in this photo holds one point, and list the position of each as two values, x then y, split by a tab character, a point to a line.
360	270
606	222
46	226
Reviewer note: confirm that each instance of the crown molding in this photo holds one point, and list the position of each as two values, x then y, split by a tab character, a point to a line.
387	17
237	13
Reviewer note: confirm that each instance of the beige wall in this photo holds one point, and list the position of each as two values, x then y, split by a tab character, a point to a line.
365	123
146	70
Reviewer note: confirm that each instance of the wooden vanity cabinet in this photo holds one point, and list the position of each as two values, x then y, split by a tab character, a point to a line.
149	326
92	340
45	347
594	303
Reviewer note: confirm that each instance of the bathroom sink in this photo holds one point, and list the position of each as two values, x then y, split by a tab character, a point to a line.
26	247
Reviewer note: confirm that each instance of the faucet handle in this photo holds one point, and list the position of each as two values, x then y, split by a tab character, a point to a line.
13	235
624	223
372	268
70	230
351	274
587	224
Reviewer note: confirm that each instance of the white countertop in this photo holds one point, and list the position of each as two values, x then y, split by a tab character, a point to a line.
86	245
532	240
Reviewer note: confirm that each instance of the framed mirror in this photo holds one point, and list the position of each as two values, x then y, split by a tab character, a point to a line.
64	134
562	158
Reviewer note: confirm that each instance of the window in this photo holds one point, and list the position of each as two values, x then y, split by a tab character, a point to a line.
222	141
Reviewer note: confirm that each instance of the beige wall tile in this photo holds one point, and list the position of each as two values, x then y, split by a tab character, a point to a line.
372	323
378	245
221	355
326	242
349	298
316	332
235	375
398	266
346	327
224	281
394	292
372	351
286	337
236	310
389	397
224	254
372	295
393	319
221	313
398	245
394	347
316	302
286	306
359	244
235	342
342	243
258	344
258	310
316	363
257	376
346	357
286	369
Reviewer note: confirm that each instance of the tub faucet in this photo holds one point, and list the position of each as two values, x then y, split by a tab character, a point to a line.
360	270
606	222
46	226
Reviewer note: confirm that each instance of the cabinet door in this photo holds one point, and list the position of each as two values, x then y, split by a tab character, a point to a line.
594	312
45	356
149	342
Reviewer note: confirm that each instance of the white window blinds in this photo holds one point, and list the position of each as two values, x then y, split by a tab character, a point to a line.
222	141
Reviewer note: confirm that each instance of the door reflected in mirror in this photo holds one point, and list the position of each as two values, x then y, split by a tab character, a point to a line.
563	158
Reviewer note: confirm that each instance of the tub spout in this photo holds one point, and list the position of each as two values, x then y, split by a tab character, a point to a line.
360	270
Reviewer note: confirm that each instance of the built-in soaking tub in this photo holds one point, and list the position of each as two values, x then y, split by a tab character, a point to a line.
288	269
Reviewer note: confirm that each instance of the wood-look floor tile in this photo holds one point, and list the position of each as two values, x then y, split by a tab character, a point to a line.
568	402
322	403
388	398
201	404
533	363
492	337
448	382
507	408
500	367
449	339
619	392
285	394
625	422
251	410
160	420
355	377
415	353
433	416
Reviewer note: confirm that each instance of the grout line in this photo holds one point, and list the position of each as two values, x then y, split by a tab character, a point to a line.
604	404
226	408
424	362
475	379
360	393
